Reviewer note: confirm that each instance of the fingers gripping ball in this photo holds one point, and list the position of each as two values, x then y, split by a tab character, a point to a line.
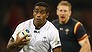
25	32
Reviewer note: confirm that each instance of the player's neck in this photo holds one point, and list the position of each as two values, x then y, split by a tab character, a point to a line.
38	26
63	22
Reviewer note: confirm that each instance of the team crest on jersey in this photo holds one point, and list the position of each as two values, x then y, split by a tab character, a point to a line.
67	31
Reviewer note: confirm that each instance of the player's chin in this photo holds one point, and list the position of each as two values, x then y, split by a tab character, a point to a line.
63	20
38	22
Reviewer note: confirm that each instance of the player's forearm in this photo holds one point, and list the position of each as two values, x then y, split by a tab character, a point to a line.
86	47
58	49
13	47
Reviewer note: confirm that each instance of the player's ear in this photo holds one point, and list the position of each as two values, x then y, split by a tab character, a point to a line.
33	13
47	14
70	13
57	11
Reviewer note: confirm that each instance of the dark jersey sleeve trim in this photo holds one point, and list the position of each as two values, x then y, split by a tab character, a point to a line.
83	37
76	27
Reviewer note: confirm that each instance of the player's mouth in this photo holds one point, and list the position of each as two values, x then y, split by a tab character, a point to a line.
62	17
38	20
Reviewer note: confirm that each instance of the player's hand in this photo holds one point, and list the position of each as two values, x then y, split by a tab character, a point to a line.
21	41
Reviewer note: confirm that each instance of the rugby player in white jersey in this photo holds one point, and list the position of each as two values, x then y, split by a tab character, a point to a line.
44	37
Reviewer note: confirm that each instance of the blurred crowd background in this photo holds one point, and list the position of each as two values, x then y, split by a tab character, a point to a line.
13	12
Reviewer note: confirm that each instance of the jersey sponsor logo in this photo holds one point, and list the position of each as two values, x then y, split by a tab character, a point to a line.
44	39
57	42
67	31
61	29
36	31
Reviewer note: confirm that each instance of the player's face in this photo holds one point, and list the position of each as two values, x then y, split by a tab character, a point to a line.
63	13
40	14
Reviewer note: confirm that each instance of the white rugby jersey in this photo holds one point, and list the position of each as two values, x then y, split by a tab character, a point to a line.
42	40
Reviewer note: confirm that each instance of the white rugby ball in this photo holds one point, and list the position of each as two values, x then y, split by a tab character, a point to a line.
25	32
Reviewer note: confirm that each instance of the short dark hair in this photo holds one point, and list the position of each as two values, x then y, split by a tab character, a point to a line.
42	4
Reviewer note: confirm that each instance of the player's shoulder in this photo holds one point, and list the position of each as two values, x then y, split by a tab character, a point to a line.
51	26
24	23
76	22
73	21
55	21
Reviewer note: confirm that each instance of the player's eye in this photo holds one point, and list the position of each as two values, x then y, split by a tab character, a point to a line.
41	12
